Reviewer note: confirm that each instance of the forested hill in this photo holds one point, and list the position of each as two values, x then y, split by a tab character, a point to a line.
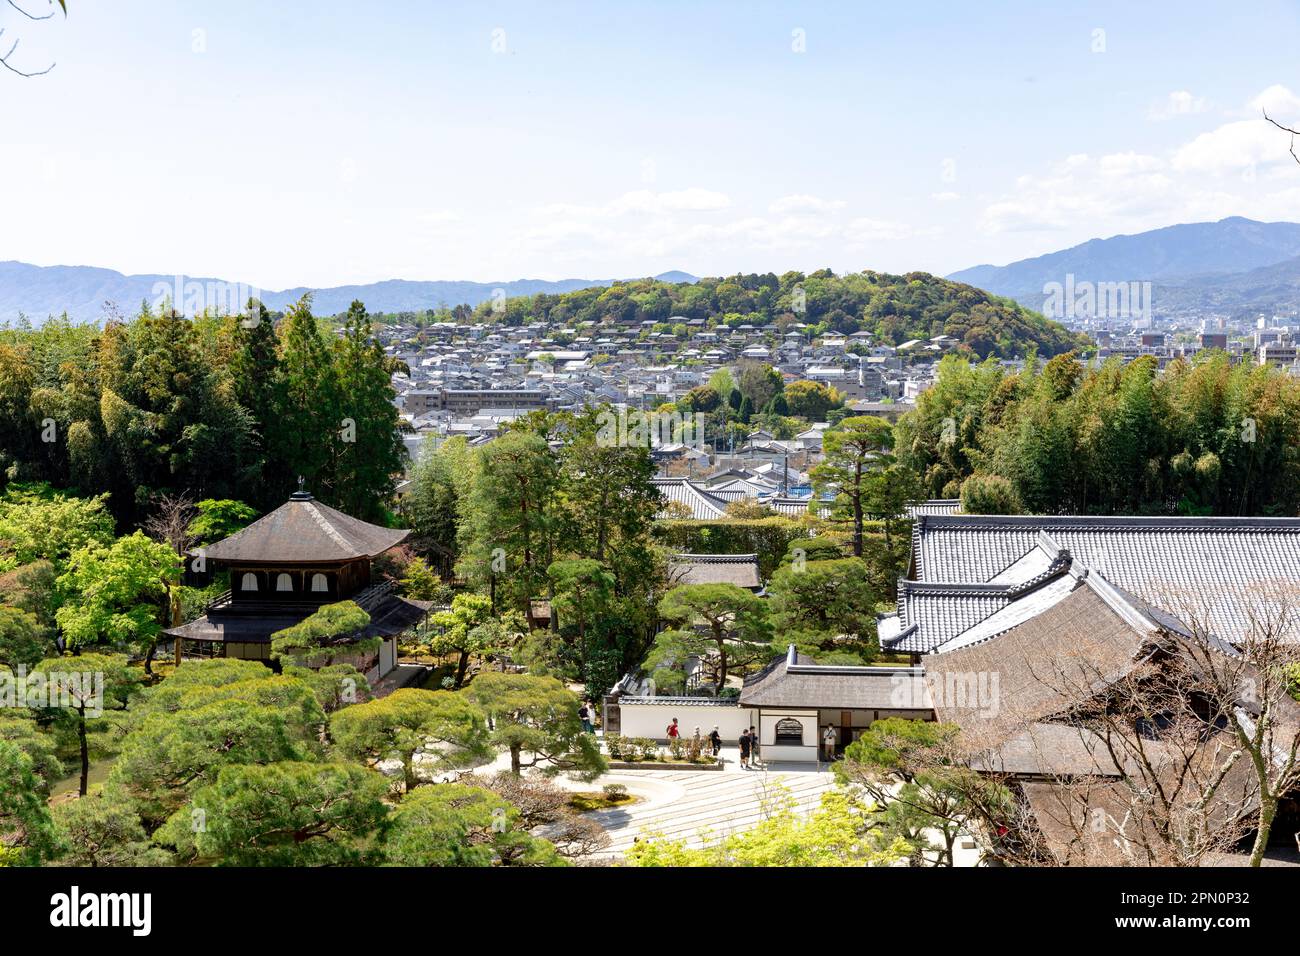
894	308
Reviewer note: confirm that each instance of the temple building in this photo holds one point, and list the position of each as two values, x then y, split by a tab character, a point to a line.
285	566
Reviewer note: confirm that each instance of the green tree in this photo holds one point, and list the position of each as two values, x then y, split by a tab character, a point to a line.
811	400
458	825
327	632
218	519
169	755
537	716
841	832
307	427
852	449
445	728
37	525
830	605
27	834
118	594
369	453
104	830
509	519
282	814
468	628
735	619
81	691
22	639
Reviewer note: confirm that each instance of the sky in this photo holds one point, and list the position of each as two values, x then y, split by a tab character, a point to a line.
322	143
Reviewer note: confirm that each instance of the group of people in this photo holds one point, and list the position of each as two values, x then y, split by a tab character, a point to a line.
748	742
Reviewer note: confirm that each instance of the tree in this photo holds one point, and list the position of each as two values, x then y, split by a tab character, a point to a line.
509	519
454	824
169	755
537	716
831	603
104	830
307	427
117	594
841	832
759	383
370	450
282	814
904	767
22	639
736	619
219	518
35	525
26	832
467	628
420	582
80	690
446	730
852	449
989	495
328	631
439	478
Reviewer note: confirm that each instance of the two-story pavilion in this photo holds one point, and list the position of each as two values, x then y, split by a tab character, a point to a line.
287	564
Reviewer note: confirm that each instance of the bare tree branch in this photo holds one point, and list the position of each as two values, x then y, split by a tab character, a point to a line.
32	16
1285	129
4	61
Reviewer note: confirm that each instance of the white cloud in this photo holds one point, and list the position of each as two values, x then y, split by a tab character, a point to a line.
805	204
1177	103
880	230
945	197
1278	102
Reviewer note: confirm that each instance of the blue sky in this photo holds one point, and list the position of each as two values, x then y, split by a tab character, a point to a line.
323	143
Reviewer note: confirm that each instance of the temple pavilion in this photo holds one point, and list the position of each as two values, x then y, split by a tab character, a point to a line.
283	567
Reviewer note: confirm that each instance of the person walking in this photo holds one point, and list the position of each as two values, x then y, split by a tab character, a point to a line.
744	749
715	739
584	715
673	732
753	746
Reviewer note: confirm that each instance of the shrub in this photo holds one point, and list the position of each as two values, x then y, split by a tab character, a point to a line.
615	791
616	744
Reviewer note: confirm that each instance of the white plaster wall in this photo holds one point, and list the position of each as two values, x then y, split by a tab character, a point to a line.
652	720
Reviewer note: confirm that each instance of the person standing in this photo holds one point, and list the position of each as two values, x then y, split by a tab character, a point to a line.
715	739
753	746
584	715
744	749
673	732
828	742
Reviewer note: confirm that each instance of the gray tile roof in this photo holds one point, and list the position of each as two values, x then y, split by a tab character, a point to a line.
932	614
805	684
738	569
703	505
1224	559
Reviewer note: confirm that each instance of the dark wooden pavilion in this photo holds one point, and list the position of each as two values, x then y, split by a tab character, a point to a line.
287	564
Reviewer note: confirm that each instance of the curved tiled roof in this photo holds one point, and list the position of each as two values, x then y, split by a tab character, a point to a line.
1220	560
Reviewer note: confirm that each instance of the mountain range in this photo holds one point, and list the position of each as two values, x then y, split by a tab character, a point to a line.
82	291
1234	264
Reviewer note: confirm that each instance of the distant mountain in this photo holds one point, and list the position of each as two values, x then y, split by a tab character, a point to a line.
1199	255
81	291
